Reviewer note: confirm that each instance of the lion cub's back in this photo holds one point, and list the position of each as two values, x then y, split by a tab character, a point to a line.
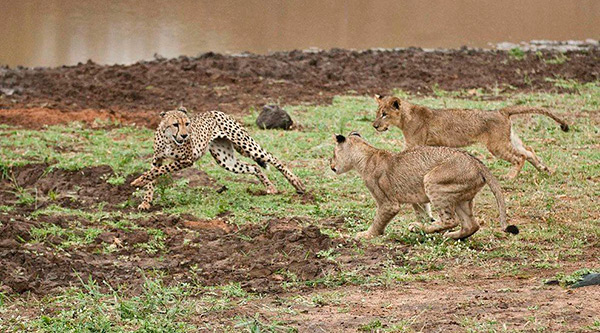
422	159
461	127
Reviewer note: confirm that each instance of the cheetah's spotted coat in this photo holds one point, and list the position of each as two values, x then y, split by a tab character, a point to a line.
185	139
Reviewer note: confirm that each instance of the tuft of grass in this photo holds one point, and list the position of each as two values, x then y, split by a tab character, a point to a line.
372	326
156	243
516	53
75	235
87	309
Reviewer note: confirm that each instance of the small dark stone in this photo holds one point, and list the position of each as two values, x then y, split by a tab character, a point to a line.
592	279
272	116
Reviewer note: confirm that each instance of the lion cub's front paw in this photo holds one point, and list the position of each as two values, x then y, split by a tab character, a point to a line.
140	181
364	235
415	227
144	206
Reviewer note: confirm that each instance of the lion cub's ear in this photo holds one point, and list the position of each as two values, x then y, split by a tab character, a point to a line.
396	104
339	138
378	98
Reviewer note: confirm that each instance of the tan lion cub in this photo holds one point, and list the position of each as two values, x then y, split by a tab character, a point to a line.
460	127
448	178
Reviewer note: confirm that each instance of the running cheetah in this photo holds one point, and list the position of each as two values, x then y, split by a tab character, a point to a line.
185	139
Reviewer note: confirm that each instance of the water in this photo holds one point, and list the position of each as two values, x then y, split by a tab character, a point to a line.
64	32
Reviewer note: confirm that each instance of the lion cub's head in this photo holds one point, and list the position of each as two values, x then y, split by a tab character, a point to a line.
175	125
345	152
389	112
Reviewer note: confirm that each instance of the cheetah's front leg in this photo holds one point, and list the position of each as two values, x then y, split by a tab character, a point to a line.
156	172
147	202
148	179
148	197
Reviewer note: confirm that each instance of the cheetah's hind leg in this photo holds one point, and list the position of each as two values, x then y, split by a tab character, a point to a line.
250	148
222	151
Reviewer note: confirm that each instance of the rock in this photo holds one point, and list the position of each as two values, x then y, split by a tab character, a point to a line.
272	116
588	280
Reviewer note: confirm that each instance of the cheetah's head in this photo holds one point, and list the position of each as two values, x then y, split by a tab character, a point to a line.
175	125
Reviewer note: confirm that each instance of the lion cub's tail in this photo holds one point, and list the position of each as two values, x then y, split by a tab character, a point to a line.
497	191
521	109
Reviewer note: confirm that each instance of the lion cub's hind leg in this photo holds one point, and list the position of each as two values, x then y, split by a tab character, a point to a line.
442	198
222	151
528	153
468	225
423	212
505	150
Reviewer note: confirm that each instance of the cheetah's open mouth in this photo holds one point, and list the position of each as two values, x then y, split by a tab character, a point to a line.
177	142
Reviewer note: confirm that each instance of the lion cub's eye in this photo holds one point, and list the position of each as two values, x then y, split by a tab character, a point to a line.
383	115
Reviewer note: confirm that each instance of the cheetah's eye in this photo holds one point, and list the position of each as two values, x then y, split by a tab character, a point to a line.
187	124
176	125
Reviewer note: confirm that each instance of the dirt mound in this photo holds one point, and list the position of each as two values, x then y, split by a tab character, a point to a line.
234	83
260	257
73	189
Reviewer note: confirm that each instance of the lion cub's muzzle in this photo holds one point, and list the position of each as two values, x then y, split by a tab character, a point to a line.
380	127
332	166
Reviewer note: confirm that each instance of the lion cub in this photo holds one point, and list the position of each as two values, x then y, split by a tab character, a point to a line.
448	178
460	128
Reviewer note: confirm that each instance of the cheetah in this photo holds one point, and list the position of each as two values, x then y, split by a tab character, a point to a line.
449	178
185	139
462	127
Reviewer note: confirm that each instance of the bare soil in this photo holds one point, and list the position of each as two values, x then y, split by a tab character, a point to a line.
254	255
234	84
476	305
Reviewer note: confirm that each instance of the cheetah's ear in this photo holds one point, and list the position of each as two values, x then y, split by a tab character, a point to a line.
162	114
339	138
182	109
